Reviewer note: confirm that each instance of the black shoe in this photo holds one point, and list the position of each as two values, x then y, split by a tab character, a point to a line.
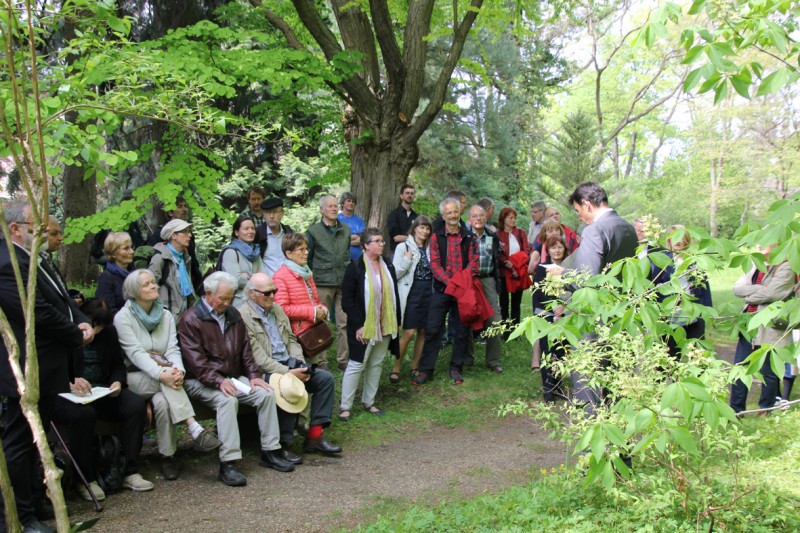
420	378
455	375
230	475
274	459
290	456
169	468
321	445
38	527
44	510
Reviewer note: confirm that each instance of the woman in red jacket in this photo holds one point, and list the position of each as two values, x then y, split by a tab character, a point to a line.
297	292
514	241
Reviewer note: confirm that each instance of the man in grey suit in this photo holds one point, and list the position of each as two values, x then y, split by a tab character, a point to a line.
606	238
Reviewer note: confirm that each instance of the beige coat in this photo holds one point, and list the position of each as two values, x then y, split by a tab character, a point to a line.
777	285
260	343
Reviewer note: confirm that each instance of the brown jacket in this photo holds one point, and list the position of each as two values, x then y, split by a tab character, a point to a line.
210	355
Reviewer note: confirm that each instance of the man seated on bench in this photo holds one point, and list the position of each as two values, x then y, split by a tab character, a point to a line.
277	352
221	373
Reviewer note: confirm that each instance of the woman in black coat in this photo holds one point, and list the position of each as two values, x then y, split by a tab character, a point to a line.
118	250
372	303
100	364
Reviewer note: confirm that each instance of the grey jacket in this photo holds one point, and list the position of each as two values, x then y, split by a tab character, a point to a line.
778	284
260	343
164	265
606	240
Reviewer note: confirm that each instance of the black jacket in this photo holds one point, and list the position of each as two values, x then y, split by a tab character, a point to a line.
57	336
353	304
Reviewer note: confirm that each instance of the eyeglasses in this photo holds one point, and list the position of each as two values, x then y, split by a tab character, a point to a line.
302	250
185	231
272	293
379	241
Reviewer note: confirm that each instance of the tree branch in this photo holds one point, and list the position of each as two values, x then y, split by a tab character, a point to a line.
439	92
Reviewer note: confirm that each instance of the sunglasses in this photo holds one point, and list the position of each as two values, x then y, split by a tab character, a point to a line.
273	292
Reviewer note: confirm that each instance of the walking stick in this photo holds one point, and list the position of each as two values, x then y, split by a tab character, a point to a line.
97	506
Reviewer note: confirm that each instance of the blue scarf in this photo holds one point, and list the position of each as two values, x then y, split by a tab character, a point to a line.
249	251
150	320
183	272
302	271
117	270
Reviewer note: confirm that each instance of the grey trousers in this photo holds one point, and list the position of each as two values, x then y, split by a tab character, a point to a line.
331	298
227	409
371	367
493	343
170	407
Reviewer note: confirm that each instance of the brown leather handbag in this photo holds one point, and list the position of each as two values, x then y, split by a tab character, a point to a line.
315	339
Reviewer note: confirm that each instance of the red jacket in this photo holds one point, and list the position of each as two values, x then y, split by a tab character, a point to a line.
519	284
524	245
473	307
293	297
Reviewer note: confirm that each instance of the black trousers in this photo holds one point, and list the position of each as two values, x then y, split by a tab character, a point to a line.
22	459
515	312
321	387
441	303
127	409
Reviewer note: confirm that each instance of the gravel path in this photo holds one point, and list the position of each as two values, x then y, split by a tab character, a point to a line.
327	493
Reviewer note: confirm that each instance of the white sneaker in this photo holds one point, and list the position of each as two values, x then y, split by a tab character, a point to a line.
137	483
98	492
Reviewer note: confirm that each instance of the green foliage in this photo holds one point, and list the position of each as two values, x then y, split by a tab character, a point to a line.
733	51
659	410
569	158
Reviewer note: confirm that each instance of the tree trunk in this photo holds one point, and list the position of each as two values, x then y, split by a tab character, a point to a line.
377	173
80	199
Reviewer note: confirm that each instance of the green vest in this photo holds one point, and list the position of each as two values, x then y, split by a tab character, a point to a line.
331	253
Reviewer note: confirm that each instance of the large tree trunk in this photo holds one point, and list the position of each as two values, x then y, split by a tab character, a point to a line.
80	200
379	167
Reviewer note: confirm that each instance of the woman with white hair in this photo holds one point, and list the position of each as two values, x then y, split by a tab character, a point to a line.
149	341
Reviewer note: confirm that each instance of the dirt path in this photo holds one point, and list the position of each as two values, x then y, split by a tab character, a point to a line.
326	493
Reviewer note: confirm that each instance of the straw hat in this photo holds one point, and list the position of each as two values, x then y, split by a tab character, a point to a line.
290	392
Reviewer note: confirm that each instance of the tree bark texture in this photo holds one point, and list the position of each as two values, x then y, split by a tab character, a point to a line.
385	113
80	200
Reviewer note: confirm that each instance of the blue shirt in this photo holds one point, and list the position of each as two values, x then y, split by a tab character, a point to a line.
357	225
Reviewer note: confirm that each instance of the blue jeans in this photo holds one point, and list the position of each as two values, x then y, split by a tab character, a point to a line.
769	390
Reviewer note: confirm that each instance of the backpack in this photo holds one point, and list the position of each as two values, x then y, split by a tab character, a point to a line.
221	253
142	256
109	463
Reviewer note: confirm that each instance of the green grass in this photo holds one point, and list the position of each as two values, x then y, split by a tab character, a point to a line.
414	409
762	495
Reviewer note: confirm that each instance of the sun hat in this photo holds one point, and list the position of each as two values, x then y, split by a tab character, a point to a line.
290	392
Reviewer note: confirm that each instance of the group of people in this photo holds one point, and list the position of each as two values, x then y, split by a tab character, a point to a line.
158	331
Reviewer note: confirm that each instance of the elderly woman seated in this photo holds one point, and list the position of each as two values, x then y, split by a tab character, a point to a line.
155	369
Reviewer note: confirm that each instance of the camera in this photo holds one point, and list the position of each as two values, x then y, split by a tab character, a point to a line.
293	363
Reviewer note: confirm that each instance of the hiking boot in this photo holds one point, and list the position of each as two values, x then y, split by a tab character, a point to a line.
420	378
169	468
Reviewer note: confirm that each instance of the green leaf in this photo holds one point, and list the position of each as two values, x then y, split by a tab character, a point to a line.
598	444
683	438
692	79
614	435
720	92
773	83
